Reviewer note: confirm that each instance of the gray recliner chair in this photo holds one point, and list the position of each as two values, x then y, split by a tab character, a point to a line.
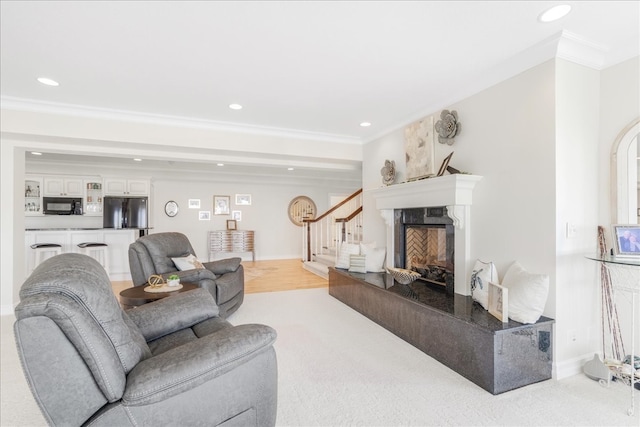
169	362
152	254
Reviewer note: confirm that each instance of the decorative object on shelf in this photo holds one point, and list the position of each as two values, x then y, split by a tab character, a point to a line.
155	281
243	199
388	172
447	127
445	164
171	208
231	224
499	302
194	203
402	275
482	274
626	239
173	280
301	208
221	205
419	149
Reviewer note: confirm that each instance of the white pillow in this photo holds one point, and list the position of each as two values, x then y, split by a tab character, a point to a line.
357	264
527	293
187	263
374	261
346	250
481	275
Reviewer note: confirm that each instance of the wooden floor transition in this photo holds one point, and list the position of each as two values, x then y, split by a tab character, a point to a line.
266	276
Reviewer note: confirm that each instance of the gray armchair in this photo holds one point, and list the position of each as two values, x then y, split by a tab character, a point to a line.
170	362
152	254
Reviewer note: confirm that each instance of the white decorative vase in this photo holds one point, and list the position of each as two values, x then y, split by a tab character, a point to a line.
175	282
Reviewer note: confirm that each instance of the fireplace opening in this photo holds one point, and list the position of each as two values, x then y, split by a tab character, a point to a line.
425	243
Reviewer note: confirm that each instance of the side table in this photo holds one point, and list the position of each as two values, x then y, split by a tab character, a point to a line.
136	296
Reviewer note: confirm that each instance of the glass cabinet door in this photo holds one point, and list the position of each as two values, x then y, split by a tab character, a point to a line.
93	197
33	196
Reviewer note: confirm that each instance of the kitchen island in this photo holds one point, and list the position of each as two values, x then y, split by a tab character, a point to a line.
118	241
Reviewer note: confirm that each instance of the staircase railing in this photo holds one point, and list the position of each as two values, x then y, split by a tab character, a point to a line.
323	234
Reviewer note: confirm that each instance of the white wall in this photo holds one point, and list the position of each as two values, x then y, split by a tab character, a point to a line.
576	152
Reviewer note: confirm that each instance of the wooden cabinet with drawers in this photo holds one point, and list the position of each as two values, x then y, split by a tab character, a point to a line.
231	241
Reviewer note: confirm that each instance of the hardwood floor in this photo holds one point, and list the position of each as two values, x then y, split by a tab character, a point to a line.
266	276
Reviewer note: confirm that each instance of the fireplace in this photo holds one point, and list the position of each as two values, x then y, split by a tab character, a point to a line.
425	244
445	202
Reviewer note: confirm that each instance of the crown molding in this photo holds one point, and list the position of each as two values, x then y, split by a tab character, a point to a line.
37	106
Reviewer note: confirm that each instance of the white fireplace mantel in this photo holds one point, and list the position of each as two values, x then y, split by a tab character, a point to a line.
454	192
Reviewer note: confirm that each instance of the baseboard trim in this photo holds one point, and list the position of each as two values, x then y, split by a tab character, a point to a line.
570	367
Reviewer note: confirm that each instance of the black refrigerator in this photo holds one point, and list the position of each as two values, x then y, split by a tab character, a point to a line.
125	212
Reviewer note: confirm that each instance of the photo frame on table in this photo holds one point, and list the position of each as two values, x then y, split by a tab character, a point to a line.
221	205
204	215
499	302
243	199
626	240
194	203
231	224
445	164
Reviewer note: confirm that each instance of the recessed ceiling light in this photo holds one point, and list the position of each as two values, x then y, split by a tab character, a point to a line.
48	82
365	124
36	153
235	106
137	160
289	169
220	164
554	13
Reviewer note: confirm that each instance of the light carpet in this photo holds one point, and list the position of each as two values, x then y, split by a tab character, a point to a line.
337	368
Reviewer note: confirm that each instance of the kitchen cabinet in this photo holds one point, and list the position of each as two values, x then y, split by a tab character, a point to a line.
126	187
93	197
58	186
32	195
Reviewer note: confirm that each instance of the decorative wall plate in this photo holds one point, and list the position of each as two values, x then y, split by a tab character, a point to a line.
301	208
171	208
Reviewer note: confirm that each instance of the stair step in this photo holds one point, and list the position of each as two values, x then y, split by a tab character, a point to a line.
325	259
317	268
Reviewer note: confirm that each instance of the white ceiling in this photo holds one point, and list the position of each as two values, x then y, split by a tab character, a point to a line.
315	67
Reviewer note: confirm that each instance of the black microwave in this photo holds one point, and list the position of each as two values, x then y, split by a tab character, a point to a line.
62	206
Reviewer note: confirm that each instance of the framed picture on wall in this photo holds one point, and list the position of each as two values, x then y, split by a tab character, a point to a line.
204	215
194	203
221	205
243	199
231	224
626	240
237	215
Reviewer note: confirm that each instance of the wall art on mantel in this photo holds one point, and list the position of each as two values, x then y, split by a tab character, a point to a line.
419	149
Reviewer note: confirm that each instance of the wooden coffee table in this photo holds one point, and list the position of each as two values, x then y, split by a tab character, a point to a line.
136	296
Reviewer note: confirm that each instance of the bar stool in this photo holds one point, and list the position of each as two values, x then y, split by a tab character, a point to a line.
44	251
97	251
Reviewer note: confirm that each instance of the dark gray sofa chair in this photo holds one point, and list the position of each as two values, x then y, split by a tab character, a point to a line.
152	254
169	362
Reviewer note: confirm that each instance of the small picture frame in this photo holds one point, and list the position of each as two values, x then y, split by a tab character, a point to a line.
204	215
221	205
237	215
445	164
499	302
243	199
231	224
626	240
194	204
